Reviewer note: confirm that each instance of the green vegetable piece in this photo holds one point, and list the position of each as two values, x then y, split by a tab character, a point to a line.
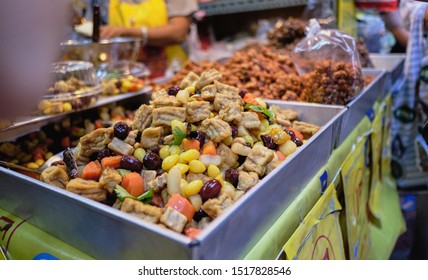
179	135
122	172
269	114
121	194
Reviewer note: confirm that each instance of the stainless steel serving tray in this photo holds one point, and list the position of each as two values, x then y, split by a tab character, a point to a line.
363	102
27	124
107	233
392	63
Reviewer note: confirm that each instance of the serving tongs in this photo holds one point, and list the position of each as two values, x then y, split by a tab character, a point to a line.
35	173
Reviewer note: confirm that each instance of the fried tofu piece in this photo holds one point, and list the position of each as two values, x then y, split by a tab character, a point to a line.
209	92
143	118
55	176
93	143
173	219
120	147
109	179
215	206
257	159
198	111
159	183
307	129
87	188
229	107
189	80
216	129
207	78
164	115
284	117
151	136
228	158
247	180
143	211
250	120
164	101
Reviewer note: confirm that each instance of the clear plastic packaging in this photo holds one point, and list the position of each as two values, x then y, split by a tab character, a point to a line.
328	61
75	86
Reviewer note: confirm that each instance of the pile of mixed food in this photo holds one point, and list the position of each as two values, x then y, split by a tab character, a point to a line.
185	157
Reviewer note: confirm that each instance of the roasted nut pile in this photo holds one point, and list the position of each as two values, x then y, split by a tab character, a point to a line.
264	73
287	33
364	53
188	155
332	83
260	70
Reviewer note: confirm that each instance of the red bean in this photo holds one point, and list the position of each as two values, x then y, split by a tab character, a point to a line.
210	189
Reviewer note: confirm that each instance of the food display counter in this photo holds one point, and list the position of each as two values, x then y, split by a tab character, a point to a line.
257	225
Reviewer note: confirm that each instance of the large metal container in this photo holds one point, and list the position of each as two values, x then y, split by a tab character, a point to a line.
363	102
392	63
107	233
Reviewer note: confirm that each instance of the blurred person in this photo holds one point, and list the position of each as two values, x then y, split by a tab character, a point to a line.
161	25
31	32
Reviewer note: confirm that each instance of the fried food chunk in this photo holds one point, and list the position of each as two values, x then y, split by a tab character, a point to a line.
92	143
209	92
120	147
307	129
173	219
257	159
215	206
87	188
207	78
250	120
164	101
198	111
189	80
228	158
247	180
109	179
143	211
55	175
164	115
151	136
216	129
284	116
143	117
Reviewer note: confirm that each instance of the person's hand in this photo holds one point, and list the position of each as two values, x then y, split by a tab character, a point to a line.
107	32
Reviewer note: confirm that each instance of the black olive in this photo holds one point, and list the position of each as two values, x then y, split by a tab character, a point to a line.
232	176
121	130
234	130
152	161
198	135
199	215
131	163
242	93
268	142
104	153
173	90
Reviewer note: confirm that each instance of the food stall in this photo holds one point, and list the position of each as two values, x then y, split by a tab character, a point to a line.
267	157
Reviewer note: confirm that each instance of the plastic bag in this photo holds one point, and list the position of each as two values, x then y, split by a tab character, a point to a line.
329	63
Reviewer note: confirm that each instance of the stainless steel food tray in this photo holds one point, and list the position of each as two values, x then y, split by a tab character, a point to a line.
27	124
106	233
392	63
363	102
